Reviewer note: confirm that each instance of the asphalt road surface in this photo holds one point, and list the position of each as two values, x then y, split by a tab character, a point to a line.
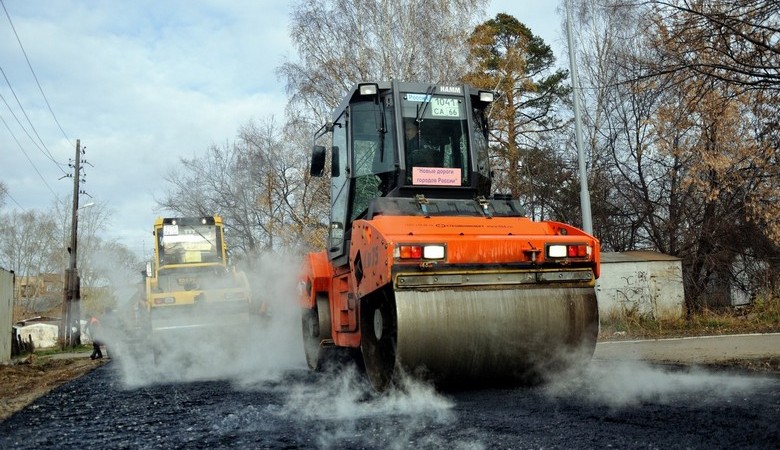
615	402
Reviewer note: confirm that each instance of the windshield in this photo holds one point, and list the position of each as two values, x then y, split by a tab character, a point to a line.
435	140
187	244
373	139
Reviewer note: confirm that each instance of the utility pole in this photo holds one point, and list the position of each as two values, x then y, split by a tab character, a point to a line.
71	294
587	223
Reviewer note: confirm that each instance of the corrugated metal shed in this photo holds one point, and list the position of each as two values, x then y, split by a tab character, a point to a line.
640	282
6	313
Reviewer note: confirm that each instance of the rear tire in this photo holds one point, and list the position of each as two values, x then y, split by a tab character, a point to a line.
378	324
317	336
318	346
311	337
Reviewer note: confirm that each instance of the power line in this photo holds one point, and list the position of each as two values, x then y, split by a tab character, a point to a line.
8	194
48	155
45	152
27	156
33	73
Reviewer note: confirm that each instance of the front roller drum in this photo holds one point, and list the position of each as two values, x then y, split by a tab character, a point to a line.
478	337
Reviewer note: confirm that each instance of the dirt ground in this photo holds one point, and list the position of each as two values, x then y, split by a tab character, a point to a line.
24	380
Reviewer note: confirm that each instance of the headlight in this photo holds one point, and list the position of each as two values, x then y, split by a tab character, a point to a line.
368	89
419	251
486	96
568	251
433	252
556	251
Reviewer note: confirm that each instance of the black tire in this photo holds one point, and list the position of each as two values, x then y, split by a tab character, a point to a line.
318	346
311	337
378	324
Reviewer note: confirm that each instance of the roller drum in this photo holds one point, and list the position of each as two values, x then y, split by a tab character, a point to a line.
481	337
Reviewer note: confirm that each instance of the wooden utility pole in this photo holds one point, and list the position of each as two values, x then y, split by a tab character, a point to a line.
71	314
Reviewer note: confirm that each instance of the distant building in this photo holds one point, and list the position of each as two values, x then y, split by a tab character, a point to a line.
645	283
33	286
39	293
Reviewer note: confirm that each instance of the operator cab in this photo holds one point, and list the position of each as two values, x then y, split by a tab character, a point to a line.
396	140
188	241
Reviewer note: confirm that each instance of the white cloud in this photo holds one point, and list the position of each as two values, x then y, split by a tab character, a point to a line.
141	84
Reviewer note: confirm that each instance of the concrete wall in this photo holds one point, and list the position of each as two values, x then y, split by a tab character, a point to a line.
6	313
647	283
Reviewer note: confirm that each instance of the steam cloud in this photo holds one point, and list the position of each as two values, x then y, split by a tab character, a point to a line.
263	348
342	404
623	384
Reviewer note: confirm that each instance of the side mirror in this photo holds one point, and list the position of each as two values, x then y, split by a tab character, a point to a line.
317	161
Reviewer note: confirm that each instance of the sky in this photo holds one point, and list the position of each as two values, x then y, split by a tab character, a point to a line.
142	84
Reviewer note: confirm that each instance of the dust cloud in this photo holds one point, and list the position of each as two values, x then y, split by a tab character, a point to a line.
233	347
341	402
625	384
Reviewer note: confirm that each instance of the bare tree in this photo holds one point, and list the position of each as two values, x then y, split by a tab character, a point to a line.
732	42
258	184
206	185
34	244
692	167
725	58
28	245
601	31
341	42
111	274
30	237
277	165
105	268
92	221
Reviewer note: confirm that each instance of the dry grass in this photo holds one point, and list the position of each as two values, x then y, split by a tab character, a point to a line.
762	316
